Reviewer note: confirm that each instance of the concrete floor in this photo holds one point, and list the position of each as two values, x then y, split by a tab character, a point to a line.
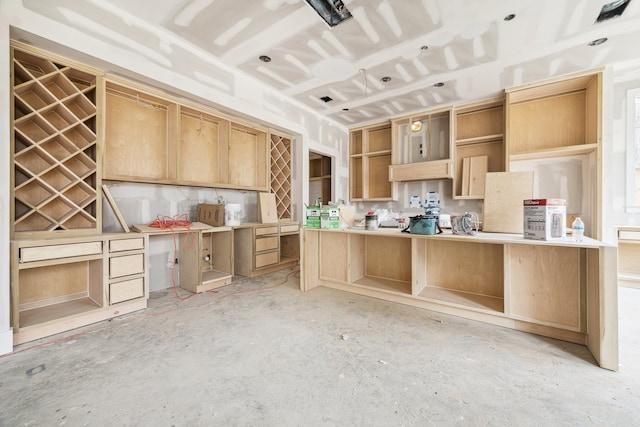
261	353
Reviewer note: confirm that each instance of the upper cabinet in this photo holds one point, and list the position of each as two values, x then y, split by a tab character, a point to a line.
479	146
422	147
55	164
370	155
554	129
151	138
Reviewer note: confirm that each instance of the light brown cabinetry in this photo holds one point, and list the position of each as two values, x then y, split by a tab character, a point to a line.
554	129
369	159
319	178
152	138
422	148
479	147
55	163
263	248
560	289
63	283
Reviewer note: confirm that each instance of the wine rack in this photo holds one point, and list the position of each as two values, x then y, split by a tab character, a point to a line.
281	174
54	151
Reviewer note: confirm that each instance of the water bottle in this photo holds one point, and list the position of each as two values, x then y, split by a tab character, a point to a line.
577	229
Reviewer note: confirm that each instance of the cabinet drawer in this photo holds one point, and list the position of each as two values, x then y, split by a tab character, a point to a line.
629	235
126	265
266	243
261	231
290	228
42	253
126	244
124	291
263	260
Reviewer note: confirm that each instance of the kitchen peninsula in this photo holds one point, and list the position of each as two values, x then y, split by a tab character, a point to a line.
559	289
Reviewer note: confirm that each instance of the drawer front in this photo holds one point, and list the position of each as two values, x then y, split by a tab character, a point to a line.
261	231
125	291
290	228
42	253
629	235
126	244
126	265
266	243
263	260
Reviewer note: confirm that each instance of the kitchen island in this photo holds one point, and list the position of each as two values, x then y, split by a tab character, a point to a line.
560	289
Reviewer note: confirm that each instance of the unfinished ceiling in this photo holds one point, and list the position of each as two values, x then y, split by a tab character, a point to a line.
392	58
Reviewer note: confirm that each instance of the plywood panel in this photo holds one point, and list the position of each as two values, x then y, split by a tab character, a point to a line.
136	136
199	152
556	121
545	284
126	265
333	256
466	266
379	139
477	173
56	281
41	253
504	193
355	178
127	290
267	211
378	180
489	121
243	159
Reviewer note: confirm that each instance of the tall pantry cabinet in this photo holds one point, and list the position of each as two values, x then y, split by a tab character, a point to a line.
64	272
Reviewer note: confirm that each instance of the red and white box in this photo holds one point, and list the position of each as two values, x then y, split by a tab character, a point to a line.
545	219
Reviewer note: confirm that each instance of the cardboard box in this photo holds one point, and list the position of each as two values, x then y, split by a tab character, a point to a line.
545	219
211	214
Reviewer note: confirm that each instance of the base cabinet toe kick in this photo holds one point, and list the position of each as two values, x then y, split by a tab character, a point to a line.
559	289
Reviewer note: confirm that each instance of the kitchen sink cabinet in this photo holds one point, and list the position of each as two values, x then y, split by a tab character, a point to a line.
62	283
564	290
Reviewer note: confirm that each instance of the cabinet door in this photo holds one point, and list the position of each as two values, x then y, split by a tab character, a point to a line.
202	148
248	161
137	144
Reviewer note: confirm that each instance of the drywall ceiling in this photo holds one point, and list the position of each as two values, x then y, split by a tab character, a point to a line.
467	45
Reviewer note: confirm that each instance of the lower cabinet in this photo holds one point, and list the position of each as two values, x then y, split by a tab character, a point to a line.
563	289
64	283
263	248
628	256
207	263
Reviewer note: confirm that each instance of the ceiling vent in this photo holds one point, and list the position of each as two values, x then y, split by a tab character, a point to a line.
326	99
332	11
612	10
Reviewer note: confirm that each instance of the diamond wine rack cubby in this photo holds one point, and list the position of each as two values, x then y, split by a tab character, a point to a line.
55	153
281	174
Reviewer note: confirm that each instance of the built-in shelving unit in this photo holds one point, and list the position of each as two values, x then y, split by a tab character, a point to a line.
281	170
264	248
56	169
479	147
319	178
369	159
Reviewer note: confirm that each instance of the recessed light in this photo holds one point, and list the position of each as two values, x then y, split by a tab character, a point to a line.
385	79
345	109
509	17
264	58
439	84
424	47
597	42
326	99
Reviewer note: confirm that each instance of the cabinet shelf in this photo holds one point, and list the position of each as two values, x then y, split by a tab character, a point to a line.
573	150
464	299
486	139
381	283
41	315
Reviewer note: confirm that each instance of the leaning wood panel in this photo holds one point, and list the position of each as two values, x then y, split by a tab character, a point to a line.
504	193
136	136
466	266
199	149
545	285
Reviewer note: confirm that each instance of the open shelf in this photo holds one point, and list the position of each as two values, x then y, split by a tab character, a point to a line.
380	283
281	170
465	299
37	316
210	276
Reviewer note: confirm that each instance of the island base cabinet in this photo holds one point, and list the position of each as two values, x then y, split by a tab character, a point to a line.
563	290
